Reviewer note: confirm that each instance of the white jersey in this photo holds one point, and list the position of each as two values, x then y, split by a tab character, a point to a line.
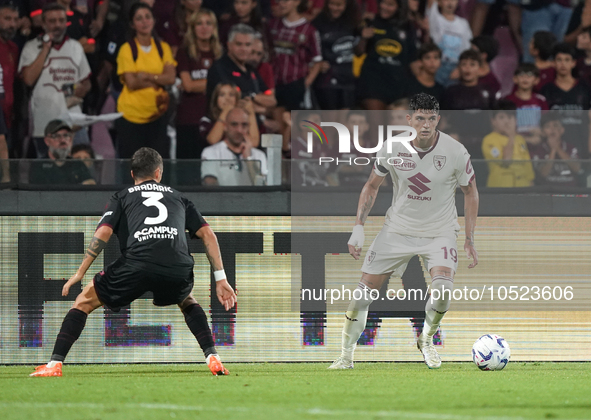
425	185
228	167
65	66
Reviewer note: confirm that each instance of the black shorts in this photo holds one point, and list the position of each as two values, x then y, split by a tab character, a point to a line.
120	284
336	98
291	95
374	84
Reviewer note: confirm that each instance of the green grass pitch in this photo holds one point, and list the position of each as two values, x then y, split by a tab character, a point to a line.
457	391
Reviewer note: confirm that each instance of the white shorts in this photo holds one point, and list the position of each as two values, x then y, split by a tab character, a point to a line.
391	252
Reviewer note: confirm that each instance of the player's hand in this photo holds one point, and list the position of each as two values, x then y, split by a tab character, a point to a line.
471	253
225	294
73	280
356	241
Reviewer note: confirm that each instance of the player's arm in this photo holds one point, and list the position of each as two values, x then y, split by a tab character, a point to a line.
97	244
224	291
471	201
366	201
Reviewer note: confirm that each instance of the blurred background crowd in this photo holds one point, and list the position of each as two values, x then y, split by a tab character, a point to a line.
205	79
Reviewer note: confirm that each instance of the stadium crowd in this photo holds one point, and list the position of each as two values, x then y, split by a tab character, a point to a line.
179	69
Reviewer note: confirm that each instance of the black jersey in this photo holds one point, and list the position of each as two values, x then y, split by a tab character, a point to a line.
572	106
391	48
150	221
337	41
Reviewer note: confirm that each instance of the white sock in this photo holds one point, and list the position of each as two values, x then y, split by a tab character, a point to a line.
435	311
354	325
355	320
53	363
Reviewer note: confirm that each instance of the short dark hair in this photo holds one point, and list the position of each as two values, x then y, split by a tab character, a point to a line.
505	106
544	42
8	5
52	7
427	48
83	148
423	101
564	48
144	162
470	55
527	68
486	44
550	116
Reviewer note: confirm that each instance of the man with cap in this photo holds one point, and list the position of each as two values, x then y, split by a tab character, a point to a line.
61	168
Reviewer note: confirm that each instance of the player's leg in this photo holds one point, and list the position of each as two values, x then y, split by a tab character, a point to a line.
356	317
441	258
389	253
197	322
72	326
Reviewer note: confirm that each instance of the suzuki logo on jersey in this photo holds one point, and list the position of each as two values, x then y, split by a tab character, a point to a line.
419	180
395	134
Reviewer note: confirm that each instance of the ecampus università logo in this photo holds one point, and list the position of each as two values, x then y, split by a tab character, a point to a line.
394	134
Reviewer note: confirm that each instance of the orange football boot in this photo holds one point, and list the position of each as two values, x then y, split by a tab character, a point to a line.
43	370
215	365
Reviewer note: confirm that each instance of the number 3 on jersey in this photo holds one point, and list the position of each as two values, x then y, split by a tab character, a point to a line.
153	200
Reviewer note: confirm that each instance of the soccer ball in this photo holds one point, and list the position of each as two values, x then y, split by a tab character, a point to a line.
491	352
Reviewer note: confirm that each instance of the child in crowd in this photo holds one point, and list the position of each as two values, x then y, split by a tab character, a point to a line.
529	104
488	47
541	47
504	145
450	32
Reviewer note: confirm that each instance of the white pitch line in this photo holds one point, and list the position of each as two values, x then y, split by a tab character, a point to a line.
310	411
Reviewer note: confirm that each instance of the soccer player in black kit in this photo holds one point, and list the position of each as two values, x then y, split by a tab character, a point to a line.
150	221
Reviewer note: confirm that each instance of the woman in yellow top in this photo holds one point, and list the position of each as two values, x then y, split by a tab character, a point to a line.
146	66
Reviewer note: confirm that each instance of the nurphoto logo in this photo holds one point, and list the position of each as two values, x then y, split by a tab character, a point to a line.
394	134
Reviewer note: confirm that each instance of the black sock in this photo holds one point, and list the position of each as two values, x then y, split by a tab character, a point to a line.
72	327
197	322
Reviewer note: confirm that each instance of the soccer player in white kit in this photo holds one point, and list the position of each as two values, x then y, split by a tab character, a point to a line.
422	220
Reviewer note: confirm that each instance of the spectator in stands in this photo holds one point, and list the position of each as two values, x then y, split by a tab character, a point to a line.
543	15
468	94
472	98
355	174
200	49
555	159
249	13
259	61
529	104
424	81
226	96
584	62
238	156
337	26
390	48
57	70
506	151
296	56
62	169
77	28
541	48
185	9
450	32
233	67
579	20
85	153
145	66
571	97
488	47
419	22
8	66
